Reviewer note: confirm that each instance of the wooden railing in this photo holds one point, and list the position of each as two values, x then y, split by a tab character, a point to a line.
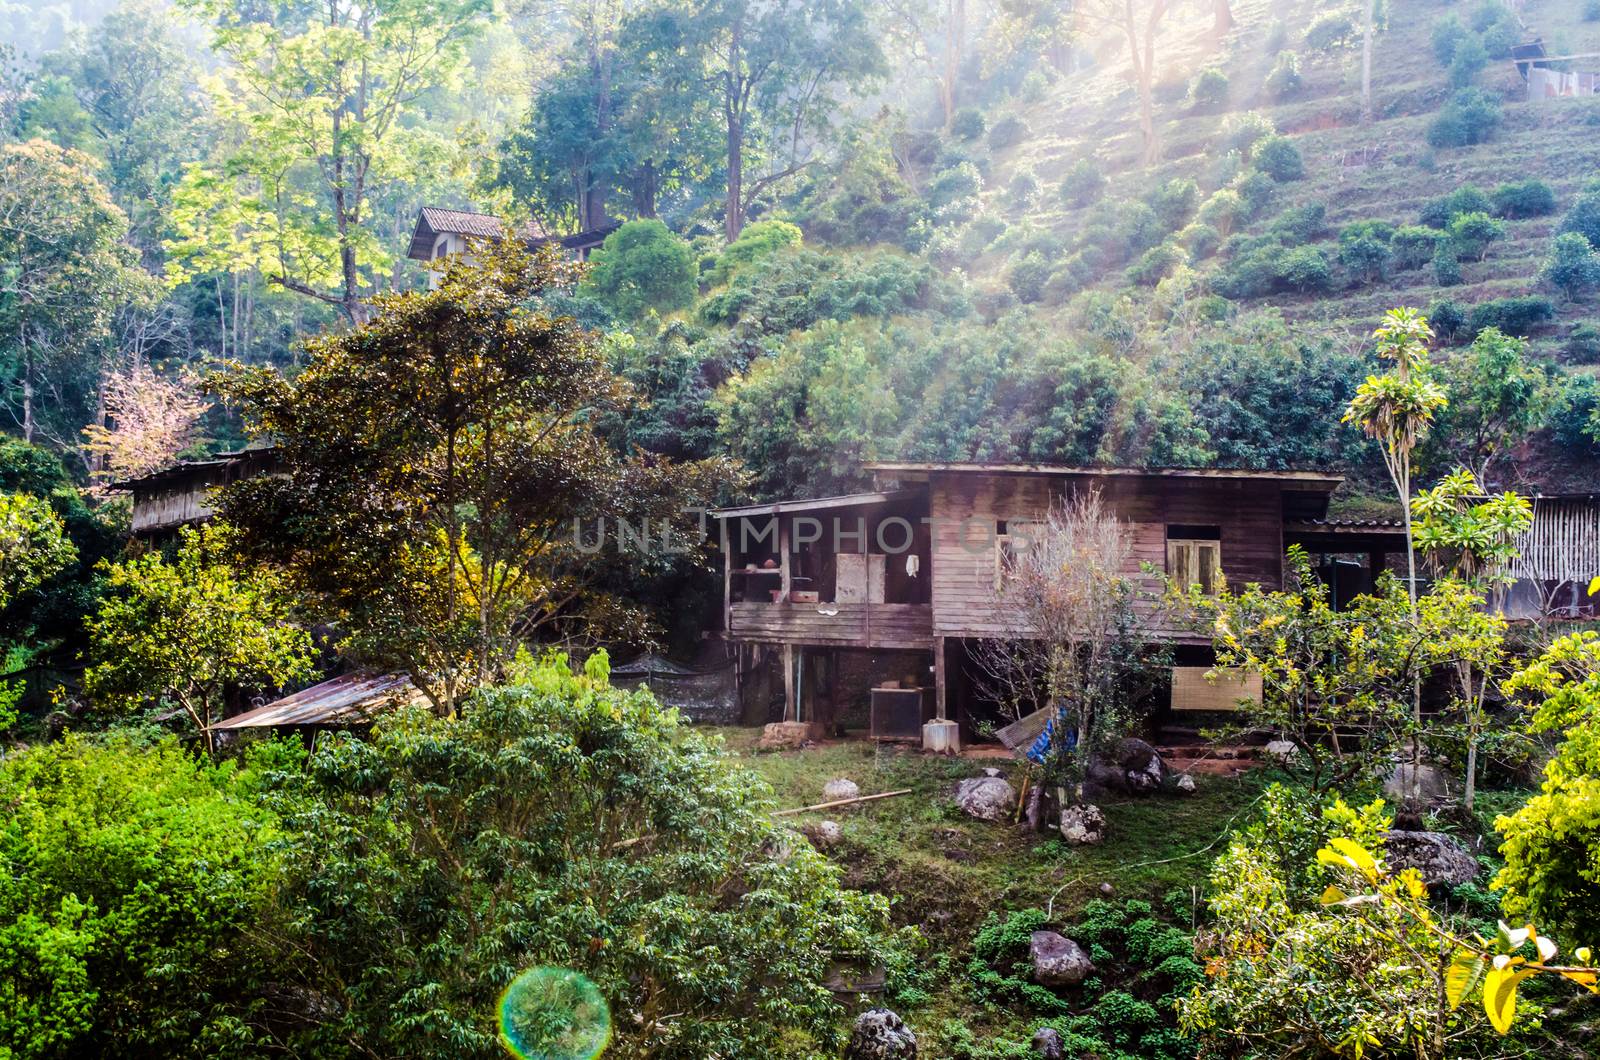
844	625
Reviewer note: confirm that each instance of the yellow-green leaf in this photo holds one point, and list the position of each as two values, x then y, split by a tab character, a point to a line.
1466	969
1500	996
1355	855
1332	896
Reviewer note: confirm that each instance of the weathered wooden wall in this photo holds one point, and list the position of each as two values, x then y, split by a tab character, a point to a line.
163	509
966	508
856	625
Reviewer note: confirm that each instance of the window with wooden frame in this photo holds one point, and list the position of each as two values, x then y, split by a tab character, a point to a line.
1194	557
1011	541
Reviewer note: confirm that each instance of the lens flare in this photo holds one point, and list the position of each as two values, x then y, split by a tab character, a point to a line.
554	1014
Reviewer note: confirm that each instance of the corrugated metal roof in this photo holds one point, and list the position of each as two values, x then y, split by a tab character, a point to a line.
352	699
1349	524
848	500
432	220
1327	479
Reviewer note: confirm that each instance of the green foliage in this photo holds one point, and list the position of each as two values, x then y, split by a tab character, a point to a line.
1023	188
1583	217
1413	246
1470	117
1439	212
1473	232
1364	248
1448	35
33	545
1301	224
1331	31
1083	184
1583	343
1446	264
136	880
958	184
644	266
1518	315
1155	264
1278	158
1027	277
1572	268
1174	203
1241	132
1575	415
1209	89
1448	318
756	242
1284	80
181	634
1467	61
559	822
968	124
1305	269
1200	240
1007	132
1497	396
999	967
1523	199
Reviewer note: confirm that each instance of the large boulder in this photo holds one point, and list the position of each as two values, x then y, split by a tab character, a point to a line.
1057	960
1083	824
1441	859
840	788
1432	783
783	735
1047	1044
986	798
879	1034
1143	771
824	835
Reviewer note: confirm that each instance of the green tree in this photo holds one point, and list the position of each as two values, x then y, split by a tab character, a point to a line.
1573	267
64	271
642	266
1473	232
321	99
754	243
136	877
559	822
437	466
1495	398
33	545
183	634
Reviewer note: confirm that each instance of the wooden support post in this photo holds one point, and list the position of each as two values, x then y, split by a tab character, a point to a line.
938	680
727	581
790	707
783	559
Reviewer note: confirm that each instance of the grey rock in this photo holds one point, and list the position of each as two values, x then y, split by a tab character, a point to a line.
1083	824
1048	1044
1441	859
1143	770
991	771
824	835
1107	889
1282	750
1431	783
1185	784
879	1034
1057	960
840	788
986	798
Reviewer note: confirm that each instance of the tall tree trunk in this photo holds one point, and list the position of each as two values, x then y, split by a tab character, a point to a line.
27	388
733	112
955	33
1366	64
644	189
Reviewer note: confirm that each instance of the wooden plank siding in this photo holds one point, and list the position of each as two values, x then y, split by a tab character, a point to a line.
857	625
967	507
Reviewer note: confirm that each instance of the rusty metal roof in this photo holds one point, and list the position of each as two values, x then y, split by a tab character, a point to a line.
432	220
352	699
848	500
1321	479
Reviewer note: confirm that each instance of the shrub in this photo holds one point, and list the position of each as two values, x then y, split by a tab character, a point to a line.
1575	415
1584	216
1299	224
1007	131
999	965
1336	29
1583	343
1279	159
1154	264
1364	254
1209	89
1438	213
1284	81
954	185
1024	187
1448	33
1200	240
1473	232
1412	246
1222	211
968	124
1137	227
756	242
1251	273
1257	190
1515	316
1065	282
1446	264
644	265
1470	117
1448	318
1083	184
1527	198
1241	132
1305	269
1572	268
1174	202
1028	276
1501	36
1469	60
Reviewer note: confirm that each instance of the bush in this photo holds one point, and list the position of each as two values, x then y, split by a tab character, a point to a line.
1572	268
1241	132
1155	264
1200	240
1006	132
1448	318
1305	269
1364	252
1575	415
1438	213
1470	117
1469	61
1028	276
1083	184
1299	224
1501	36
1251	273
1584	216
1448	33
1515	316
644	265
1224	210
1024	187
1279	159
968	124
1331	31
1257	190
1446	264
1583	343
954	185
1174	203
999	965
1528	198
1284	81
1209	89
1413	246
1473	232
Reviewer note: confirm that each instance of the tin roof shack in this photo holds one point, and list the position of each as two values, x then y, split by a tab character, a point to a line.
180	495
441	232
917	565
1554	76
350	701
1557	557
